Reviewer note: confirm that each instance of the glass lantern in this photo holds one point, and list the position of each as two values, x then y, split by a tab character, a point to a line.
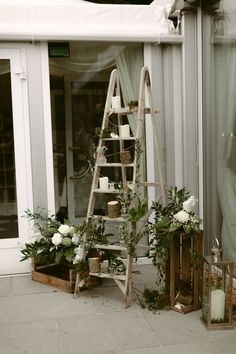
217	292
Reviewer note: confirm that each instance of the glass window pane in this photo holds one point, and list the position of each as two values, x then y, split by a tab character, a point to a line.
78	92
8	206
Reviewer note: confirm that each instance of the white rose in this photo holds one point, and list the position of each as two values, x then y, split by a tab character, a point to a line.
75	239
189	204
182	216
80	252
76	259
64	229
56	239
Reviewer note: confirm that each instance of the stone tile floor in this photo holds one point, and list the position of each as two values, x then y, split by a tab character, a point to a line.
38	319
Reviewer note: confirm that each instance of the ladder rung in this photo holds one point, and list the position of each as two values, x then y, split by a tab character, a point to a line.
119	138
109	276
148	184
106	218
126	110
110	247
110	191
114	164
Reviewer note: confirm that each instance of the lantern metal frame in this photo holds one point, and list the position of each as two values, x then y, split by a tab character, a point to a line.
217	275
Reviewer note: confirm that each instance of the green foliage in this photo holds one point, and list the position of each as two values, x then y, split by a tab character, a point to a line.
82	265
171	220
155	300
128	233
52	241
132	104
106	133
137	212
124	197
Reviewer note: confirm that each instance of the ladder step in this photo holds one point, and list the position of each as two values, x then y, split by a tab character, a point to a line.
106	218
109	276
110	191
119	139
126	110
110	247
114	164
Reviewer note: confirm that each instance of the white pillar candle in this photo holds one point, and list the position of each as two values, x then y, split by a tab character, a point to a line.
124	131
103	183
217	304
115	102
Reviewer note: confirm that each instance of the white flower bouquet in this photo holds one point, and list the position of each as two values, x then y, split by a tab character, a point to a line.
178	217
53	242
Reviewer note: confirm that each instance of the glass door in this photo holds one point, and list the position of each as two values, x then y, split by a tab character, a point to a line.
14	165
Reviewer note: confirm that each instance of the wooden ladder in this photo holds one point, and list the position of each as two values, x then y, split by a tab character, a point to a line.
119	114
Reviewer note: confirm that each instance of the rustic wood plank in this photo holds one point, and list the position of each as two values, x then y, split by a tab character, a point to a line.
186	259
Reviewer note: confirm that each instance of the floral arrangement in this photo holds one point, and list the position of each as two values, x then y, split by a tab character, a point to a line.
179	214
171	220
52	240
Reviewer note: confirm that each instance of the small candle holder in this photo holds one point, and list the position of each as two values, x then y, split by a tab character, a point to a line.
116	102
124	131
216	251
103	183
217	292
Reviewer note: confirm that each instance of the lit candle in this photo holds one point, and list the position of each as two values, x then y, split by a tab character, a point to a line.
124	131
217	305
103	183
115	102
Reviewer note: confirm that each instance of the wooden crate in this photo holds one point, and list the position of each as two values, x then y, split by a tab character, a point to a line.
234	304
58	276
185	272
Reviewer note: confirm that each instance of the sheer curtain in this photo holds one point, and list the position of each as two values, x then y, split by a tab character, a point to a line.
88	59
129	63
225	74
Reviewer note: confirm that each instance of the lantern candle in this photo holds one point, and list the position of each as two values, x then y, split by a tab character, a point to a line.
124	131
115	102
103	183
217	305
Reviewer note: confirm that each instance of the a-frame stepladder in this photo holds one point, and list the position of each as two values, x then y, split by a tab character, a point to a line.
124	281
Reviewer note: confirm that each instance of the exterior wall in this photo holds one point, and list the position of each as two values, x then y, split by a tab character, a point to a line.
37	128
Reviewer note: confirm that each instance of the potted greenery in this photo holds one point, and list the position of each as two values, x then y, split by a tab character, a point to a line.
171	220
176	219
60	247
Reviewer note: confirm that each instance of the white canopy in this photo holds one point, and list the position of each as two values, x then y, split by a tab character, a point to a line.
77	19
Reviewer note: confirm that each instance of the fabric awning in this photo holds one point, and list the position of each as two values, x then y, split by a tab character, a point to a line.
77	19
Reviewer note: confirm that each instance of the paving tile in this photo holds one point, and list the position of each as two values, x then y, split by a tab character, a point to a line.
6	286
175	349
110	331
107	299
225	346
26	308
30	338
174	328
25	285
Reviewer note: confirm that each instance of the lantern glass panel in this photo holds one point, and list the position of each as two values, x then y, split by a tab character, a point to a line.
217	293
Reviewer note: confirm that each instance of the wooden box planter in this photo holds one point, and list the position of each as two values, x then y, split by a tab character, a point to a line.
184	276
56	275
234	303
